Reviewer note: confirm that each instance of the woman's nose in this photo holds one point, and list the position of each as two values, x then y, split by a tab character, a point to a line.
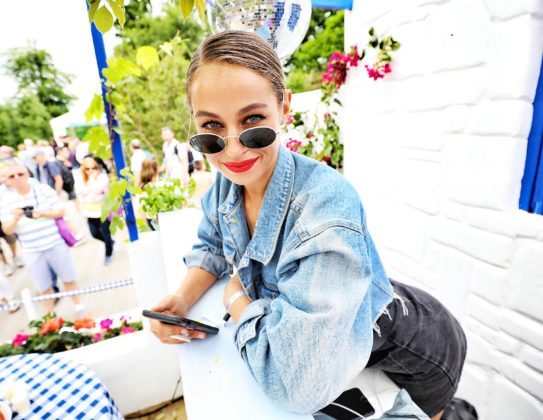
233	146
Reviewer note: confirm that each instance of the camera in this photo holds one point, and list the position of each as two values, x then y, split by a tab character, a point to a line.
28	210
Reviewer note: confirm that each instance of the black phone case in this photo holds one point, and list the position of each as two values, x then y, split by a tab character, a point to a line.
178	320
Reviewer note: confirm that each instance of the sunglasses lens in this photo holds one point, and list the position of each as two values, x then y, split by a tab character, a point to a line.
207	143
258	137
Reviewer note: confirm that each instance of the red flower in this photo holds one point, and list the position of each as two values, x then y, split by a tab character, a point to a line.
387	68
19	340
105	324
96	337
84	323
374	73
127	330
53	324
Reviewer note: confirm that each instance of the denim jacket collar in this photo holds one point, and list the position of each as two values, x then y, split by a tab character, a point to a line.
273	209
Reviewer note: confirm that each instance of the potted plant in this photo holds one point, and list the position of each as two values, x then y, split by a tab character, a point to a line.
164	196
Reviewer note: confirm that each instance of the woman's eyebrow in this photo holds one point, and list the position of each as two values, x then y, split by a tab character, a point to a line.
248	108
205	114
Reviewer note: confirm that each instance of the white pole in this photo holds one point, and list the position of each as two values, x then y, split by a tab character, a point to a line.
30	309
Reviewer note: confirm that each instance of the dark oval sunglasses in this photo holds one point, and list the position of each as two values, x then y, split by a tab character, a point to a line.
252	138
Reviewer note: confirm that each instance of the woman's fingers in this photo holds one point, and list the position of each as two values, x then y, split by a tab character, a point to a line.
164	332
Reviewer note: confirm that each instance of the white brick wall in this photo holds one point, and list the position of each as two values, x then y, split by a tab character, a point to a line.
437	153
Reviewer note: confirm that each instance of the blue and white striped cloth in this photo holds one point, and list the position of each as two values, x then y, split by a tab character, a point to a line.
59	388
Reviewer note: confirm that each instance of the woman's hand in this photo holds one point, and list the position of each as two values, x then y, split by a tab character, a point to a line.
175	305
233	286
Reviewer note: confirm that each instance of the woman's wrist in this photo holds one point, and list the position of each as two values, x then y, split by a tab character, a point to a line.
238	306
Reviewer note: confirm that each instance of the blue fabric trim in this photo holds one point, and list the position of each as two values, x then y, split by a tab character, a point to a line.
531	195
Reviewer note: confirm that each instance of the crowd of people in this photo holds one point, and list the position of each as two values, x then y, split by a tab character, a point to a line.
46	186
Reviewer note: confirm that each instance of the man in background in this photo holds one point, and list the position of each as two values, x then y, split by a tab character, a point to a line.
175	156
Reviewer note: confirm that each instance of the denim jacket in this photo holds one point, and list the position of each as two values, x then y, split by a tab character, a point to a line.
312	272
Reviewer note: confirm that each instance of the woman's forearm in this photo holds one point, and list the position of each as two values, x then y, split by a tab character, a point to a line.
196	283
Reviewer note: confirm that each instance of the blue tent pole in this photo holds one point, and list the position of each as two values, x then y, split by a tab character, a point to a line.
116	144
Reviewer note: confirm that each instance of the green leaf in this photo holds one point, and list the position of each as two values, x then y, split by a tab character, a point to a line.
372	31
92	9
118	11
103	19
99	143
95	109
119	69
186	7
201	8
147	57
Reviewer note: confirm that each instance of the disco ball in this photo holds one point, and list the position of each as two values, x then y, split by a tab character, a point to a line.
283	23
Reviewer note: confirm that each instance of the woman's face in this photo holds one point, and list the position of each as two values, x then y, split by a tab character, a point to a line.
227	99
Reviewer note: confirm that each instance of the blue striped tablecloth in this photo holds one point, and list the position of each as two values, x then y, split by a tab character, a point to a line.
59	388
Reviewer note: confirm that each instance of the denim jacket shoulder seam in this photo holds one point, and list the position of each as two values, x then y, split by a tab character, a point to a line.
305	235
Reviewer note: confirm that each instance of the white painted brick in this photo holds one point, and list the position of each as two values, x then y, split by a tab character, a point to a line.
410	60
525	377
489	247
433	254
481	330
532	357
408	232
405	13
454	211
507	344
524	328
405	266
511	43
420	185
474	387
490	282
456	118
454	38
508	118
475	177
508	401
505	9
484	312
440	90
526	294
528	225
491	221
453	281
410	134
482	353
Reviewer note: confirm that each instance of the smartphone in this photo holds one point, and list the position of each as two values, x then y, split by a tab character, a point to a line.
350	405
178	320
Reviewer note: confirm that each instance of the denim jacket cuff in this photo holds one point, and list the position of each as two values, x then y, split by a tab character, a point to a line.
246	329
214	264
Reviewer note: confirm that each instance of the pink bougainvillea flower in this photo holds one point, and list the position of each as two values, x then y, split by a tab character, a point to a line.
374	73
19	340
386	68
290	119
105	324
127	330
96	337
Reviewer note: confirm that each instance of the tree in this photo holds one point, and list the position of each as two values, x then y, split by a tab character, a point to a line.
35	73
24	118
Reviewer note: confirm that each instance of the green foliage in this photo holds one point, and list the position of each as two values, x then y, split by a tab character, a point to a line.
169	195
324	37
25	118
35	74
105	12
99	143
155	31
96	108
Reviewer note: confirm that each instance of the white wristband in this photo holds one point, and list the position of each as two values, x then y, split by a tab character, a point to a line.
233	298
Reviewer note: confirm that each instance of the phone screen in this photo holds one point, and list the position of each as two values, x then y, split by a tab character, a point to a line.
350	405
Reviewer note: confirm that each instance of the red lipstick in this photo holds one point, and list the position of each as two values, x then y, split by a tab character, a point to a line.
242	166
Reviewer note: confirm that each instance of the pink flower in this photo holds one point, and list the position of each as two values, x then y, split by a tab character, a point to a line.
19	340
374	73
387	68
127	330
96	337
290	119
105	324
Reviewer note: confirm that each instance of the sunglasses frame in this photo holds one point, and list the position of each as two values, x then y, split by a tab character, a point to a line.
225	139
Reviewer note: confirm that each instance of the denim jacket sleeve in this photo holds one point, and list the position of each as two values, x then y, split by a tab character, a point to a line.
208	253
305	346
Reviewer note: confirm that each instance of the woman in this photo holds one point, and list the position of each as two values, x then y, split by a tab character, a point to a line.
93	189
311	300
148	175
